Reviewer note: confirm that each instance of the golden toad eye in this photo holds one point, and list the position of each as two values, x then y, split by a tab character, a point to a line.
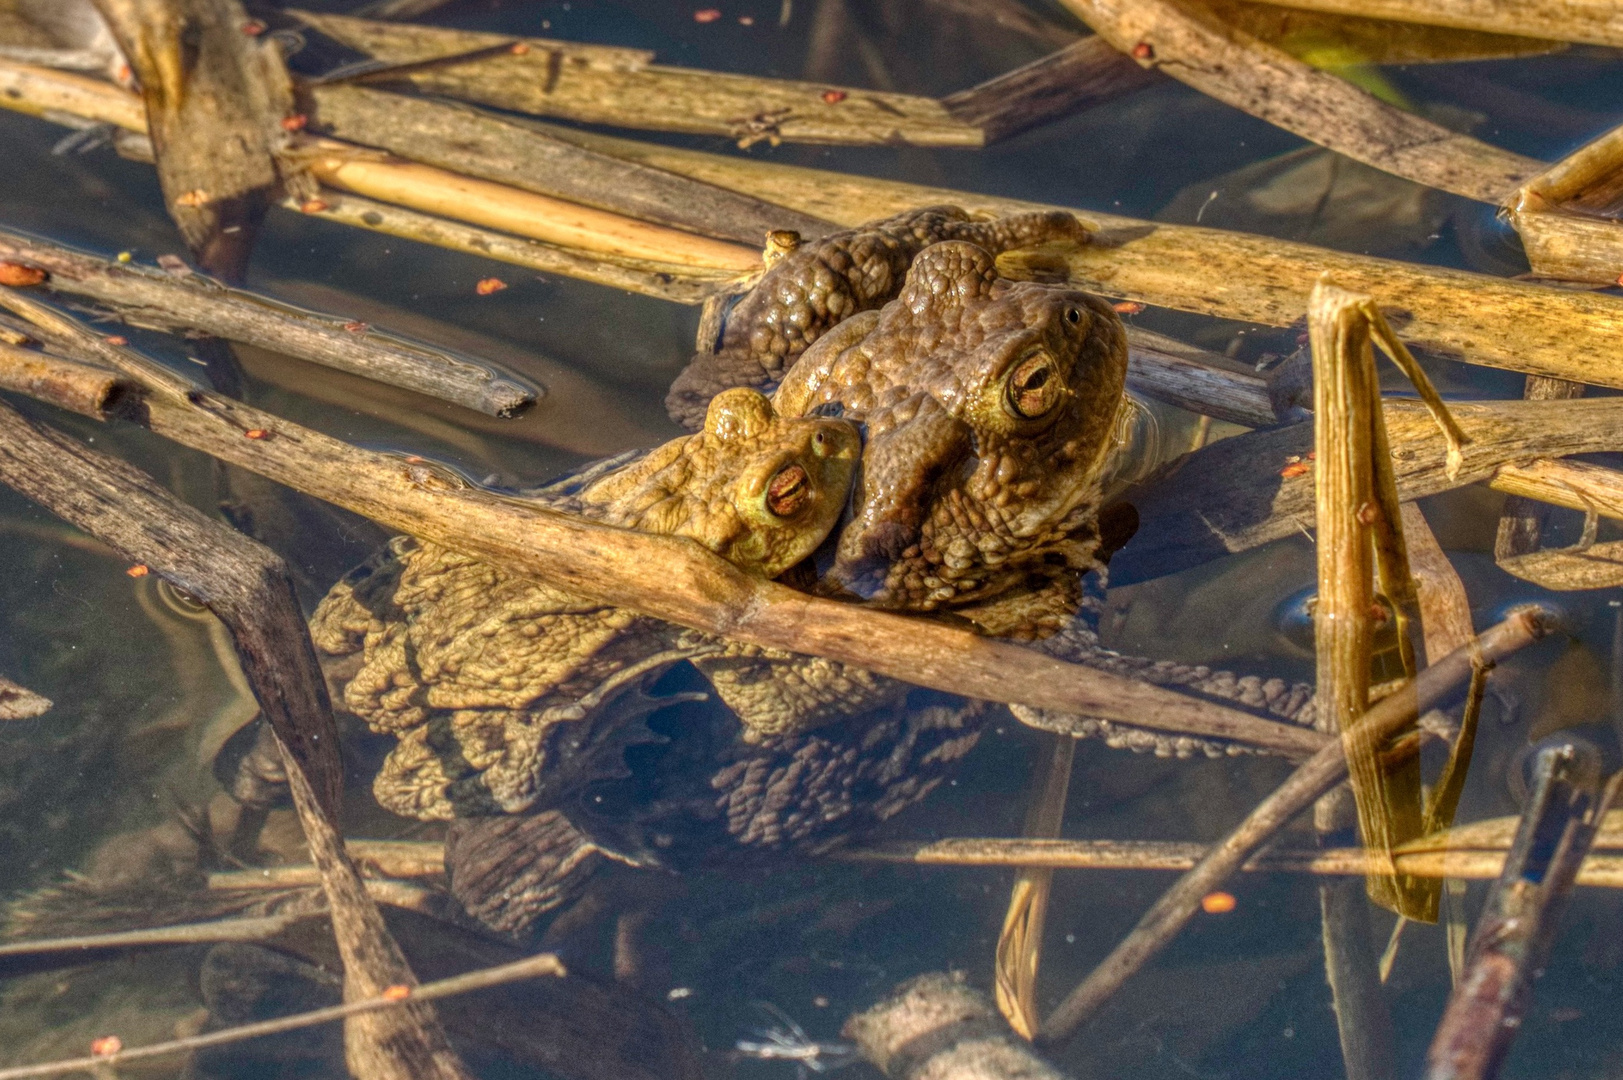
789	491
1034	387
1073	315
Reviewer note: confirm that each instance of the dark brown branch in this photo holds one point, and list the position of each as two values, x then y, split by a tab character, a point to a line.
1080	76
241	582
1518	923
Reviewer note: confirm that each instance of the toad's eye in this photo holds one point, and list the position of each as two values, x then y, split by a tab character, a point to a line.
1073	315
789	491
1034	387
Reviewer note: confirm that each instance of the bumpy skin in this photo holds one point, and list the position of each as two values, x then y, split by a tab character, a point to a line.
481	674
989	409
816	285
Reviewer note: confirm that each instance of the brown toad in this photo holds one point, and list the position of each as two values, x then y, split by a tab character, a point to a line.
810	287
473	668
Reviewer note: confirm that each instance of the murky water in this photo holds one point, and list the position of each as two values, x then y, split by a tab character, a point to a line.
102	783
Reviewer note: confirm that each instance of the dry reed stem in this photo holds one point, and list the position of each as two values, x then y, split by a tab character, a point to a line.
661	280
75	387
1453	313
1358	517
1020	944
1312	779
595	85
241	928
676	580
1473	317
1593	22
522	213
1190	42
1568	214
423	188
528	968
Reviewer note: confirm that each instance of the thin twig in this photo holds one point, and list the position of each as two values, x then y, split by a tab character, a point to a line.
529	968
1326	768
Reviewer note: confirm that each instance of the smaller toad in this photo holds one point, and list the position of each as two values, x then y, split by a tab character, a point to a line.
481	673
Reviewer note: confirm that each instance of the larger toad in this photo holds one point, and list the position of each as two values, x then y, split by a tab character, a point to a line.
809	288
475	669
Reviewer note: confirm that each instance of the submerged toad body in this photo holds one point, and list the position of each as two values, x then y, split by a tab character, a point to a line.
480	673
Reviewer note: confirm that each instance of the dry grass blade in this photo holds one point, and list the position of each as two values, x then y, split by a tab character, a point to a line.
1312	779
19	702
1190	42
1020	945
1358	528
530	968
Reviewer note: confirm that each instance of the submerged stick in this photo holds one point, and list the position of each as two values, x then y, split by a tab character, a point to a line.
1599	871
154	298
528	968
934	1027
675	579
1312	779
20	703
248	587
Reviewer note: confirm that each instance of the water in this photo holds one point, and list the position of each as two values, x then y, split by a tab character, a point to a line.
96	786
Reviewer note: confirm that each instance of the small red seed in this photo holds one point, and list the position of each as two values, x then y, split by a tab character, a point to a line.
295	122
256	433
1290	472
833	97
397	992
520	49
253	28
1127	307
1218	903
117	339
106	1046
19	276
706	15
1143	51
489	285
357	327
746	20
313	206
138	570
